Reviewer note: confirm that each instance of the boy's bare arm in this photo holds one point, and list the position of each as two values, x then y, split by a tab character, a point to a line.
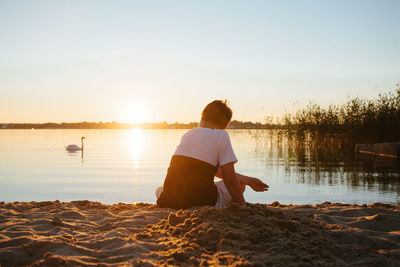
232	183
256	184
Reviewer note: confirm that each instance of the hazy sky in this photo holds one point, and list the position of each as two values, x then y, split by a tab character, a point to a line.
164	60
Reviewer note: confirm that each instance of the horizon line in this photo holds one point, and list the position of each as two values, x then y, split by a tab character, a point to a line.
118	122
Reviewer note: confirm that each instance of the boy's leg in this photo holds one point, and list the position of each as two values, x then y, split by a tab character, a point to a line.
224	198
159	190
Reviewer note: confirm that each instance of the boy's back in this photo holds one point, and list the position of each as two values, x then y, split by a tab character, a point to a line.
210	145
190	177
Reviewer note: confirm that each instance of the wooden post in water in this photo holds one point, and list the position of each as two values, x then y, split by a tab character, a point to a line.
387	150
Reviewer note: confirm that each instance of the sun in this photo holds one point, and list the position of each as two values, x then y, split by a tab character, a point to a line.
135	114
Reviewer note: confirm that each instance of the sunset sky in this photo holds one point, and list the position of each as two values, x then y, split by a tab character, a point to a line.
134	61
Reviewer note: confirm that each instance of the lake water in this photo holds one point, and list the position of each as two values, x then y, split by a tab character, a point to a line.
127	166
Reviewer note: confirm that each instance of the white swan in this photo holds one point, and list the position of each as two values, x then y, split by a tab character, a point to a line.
73	148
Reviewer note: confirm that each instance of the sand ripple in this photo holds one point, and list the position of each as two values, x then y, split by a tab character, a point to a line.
92	234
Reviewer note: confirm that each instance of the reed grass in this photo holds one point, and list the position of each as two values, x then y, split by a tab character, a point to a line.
364	120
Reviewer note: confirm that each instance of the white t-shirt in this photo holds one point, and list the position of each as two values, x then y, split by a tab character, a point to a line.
209	145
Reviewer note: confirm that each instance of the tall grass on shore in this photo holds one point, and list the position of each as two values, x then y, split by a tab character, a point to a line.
364	120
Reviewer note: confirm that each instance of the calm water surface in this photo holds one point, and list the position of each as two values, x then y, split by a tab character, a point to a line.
127	165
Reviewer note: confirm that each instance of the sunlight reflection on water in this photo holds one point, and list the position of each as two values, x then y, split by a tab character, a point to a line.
136	143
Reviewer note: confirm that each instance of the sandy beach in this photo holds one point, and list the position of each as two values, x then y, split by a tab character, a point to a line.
93	234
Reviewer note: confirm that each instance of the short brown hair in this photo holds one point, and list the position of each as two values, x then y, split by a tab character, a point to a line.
218	113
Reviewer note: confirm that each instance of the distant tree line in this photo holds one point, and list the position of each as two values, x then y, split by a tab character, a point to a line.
252	125
116	125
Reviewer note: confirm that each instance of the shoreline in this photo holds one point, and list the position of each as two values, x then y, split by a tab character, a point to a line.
95	234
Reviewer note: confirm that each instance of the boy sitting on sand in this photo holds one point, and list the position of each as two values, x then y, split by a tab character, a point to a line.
203	153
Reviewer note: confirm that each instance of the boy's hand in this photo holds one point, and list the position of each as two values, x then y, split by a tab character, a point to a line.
257	185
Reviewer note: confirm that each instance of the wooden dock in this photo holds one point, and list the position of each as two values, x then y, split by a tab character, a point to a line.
386	150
